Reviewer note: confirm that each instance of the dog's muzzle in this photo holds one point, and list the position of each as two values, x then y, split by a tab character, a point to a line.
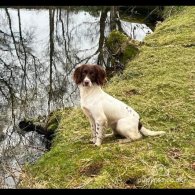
86	82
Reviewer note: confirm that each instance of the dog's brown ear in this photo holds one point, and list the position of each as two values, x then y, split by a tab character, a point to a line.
77	75
100	75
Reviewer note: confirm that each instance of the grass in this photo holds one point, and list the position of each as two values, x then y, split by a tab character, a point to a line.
159	83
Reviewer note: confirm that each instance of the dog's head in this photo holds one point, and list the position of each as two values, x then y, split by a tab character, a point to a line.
87	75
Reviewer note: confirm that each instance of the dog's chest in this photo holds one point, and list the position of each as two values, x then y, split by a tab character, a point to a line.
87	106
90	102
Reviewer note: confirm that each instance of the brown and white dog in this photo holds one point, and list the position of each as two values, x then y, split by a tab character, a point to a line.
104	110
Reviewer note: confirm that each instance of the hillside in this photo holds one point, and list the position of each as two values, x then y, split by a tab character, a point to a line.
159	83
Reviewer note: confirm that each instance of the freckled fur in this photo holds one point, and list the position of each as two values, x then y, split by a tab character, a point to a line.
104	110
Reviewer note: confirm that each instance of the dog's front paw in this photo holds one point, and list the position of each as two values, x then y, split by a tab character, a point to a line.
93	140
98	143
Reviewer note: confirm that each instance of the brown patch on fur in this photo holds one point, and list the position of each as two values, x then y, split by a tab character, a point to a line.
139	125
92	170
100	75
77	77
95	72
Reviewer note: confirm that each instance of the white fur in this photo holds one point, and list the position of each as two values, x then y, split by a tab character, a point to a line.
87	79
104	110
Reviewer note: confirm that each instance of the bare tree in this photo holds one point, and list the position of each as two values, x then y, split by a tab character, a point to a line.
51	41
103	18
24	66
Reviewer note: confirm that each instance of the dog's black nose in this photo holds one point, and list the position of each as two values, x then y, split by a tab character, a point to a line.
86	83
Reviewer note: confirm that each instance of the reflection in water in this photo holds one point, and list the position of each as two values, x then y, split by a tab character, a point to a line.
37	56
16	150
135	30
76	40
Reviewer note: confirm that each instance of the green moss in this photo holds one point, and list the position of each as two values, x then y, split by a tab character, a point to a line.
171	10
121	46
163	77
129	53
53	121
116	40
175	31
53	127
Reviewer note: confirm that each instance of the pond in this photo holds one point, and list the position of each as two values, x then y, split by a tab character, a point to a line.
38	52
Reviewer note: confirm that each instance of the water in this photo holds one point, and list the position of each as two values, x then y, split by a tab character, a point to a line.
76	40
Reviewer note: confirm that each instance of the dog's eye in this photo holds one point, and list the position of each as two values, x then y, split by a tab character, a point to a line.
91	73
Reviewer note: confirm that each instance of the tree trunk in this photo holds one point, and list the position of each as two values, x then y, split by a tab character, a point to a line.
24	100
51	41
102	38
113	17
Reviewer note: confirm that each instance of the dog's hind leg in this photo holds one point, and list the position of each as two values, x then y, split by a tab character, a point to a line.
129	129
123	141
114	133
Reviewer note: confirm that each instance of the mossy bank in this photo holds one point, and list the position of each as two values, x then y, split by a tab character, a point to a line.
159	83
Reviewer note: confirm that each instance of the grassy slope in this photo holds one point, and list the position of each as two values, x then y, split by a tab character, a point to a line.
163	77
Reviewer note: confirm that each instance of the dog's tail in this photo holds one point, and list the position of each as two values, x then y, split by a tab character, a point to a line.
147	132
